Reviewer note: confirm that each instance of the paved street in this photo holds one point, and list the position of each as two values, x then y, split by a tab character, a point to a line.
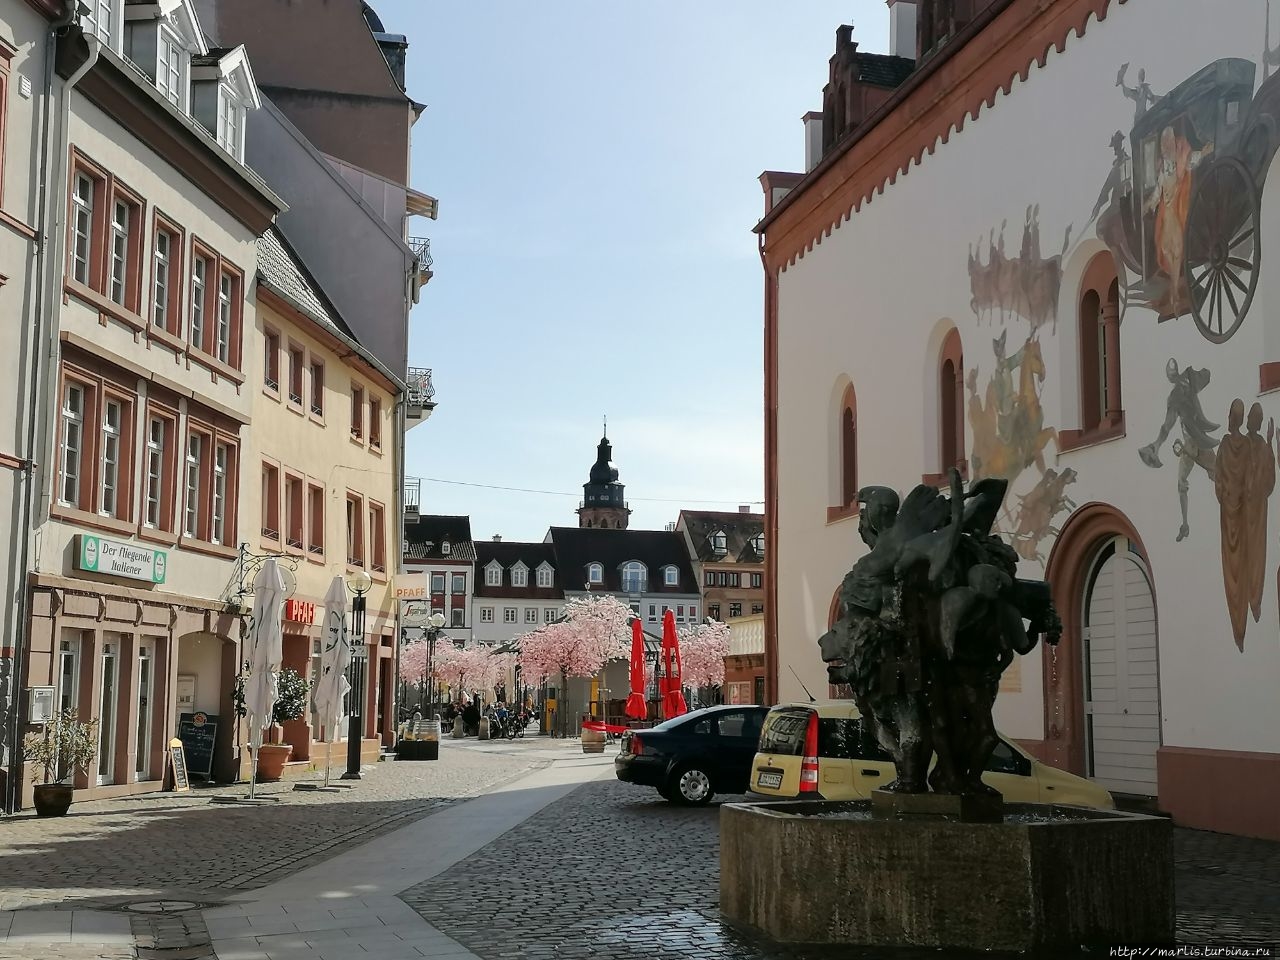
554	859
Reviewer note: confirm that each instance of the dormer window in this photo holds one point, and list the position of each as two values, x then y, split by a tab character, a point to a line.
544	576
160	38
230	122
493	575
635	577
102	20
445	549
519	575
671	576
171	69
223	91
757	544
595	573
719	543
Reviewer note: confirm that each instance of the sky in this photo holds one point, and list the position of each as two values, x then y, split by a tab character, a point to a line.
597	169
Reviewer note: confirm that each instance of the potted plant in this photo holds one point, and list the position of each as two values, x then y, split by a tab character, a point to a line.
291	704
67	744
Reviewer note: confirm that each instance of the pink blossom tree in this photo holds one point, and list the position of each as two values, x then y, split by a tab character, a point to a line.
413	665
595	630
703	649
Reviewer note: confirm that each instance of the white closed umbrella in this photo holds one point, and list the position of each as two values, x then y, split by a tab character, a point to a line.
335	659
266	647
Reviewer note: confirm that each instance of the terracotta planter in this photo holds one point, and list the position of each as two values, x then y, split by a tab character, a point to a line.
271	760
52	799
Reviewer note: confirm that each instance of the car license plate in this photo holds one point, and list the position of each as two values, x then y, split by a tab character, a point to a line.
769	778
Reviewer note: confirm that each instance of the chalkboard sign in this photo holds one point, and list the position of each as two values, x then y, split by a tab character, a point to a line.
198	731
181	780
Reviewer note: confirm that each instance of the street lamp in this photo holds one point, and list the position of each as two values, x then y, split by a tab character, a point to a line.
359	583
434	623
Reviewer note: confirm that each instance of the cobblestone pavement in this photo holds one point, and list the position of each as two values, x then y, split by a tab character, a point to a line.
612	871
182	846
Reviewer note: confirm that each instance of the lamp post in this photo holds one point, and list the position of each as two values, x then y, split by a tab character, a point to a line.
359	583
434	623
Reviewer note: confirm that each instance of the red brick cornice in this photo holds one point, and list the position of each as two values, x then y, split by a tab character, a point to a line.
1001	45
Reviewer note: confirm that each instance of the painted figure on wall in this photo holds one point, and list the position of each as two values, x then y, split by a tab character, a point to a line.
1037	510
1181	216
1009	432
1245	478
1197	447
1025	286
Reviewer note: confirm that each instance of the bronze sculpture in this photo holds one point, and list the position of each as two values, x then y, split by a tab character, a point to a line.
929	619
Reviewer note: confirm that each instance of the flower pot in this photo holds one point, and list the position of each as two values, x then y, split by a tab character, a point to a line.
52	799
271	760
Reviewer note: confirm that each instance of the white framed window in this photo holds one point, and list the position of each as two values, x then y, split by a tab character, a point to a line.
693	612
191	519
119	250
155	469
82	228
757	544
653	612
549	615
530	614
221	456
72	443
225	288
100	20
170	63
493	576
160	269
508	614
519	576
486	614
635	577
595	573
671	576
457	617
544	576
199	277
230	121
437	583
719	542
111	424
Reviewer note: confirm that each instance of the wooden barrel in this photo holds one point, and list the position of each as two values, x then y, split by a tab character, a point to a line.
592	741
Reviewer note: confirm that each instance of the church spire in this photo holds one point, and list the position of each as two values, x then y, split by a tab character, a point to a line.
603	504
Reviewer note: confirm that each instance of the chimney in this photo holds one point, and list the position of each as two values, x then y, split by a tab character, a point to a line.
497	538
902	28
812	139
744	508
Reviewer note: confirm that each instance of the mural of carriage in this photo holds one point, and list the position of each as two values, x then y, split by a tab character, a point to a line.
1182	205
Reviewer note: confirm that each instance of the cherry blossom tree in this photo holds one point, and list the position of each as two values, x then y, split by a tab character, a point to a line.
702	651
595	630
413	666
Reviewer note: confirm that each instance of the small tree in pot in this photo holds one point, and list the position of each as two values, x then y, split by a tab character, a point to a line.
291	704
67	745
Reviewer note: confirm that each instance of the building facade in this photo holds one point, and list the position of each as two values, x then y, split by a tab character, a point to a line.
744	675
440	549
1097	330
517	590
728	559
139	513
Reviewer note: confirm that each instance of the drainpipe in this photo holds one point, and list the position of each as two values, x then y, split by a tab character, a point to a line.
51	242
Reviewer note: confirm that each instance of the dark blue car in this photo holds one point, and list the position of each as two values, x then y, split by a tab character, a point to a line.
692	757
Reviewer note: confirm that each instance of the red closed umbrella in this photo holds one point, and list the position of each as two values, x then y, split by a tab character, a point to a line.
673	704
635	702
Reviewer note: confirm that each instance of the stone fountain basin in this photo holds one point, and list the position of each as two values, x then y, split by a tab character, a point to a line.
826	872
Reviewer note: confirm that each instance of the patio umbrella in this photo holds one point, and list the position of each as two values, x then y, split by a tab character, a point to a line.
266	646
673	704
635	702
335	659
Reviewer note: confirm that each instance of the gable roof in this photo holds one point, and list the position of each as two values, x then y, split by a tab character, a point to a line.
509	553
577	546
282	269
423	539
739	529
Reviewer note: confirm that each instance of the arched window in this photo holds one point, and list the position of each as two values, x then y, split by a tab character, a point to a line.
1099	314
595	573
951	405
848	448
635	577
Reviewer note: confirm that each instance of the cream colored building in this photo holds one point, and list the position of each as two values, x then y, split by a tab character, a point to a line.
322	481
144	455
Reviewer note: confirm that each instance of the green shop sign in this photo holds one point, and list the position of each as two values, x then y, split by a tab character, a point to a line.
119	559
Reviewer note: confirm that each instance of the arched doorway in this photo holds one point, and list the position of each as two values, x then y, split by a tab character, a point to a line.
1119	659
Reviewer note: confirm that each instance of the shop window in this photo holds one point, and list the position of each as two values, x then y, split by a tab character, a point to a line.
315	520
377	538
270	502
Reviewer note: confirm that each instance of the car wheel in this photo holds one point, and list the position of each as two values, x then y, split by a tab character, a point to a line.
691	786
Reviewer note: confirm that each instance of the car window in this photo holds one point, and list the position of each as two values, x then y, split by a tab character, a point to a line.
837	738
703	728
784	732
731	724
1004	759
867	747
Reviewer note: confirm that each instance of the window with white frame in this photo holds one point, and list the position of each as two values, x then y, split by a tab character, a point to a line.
549	615
82	228
221	459
493	576
757	544
230	121
226	289
635	577
719	543
519	575
100	19
457	617
693	611
653	612
199	279
486	614
171	68
530	614
191	517
156	435
671	576
73	397
544	576
160	279
119	250
508	614
112	422
437	583
595	573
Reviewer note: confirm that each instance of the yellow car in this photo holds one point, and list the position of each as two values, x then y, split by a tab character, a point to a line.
824	751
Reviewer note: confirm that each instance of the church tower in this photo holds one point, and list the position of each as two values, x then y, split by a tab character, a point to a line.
602	495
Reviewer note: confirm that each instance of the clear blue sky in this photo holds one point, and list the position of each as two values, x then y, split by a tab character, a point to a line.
596	165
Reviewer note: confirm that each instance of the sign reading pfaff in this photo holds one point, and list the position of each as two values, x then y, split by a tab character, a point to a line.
100	555
300	611
411	586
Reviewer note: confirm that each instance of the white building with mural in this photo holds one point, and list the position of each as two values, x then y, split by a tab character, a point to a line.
1034	247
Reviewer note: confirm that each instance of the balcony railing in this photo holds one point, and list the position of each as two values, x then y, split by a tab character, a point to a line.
412	498
421	392
421	247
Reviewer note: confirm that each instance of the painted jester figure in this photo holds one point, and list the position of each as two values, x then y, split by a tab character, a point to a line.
1197	447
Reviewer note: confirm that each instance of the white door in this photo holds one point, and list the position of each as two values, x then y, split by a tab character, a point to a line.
1122	687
